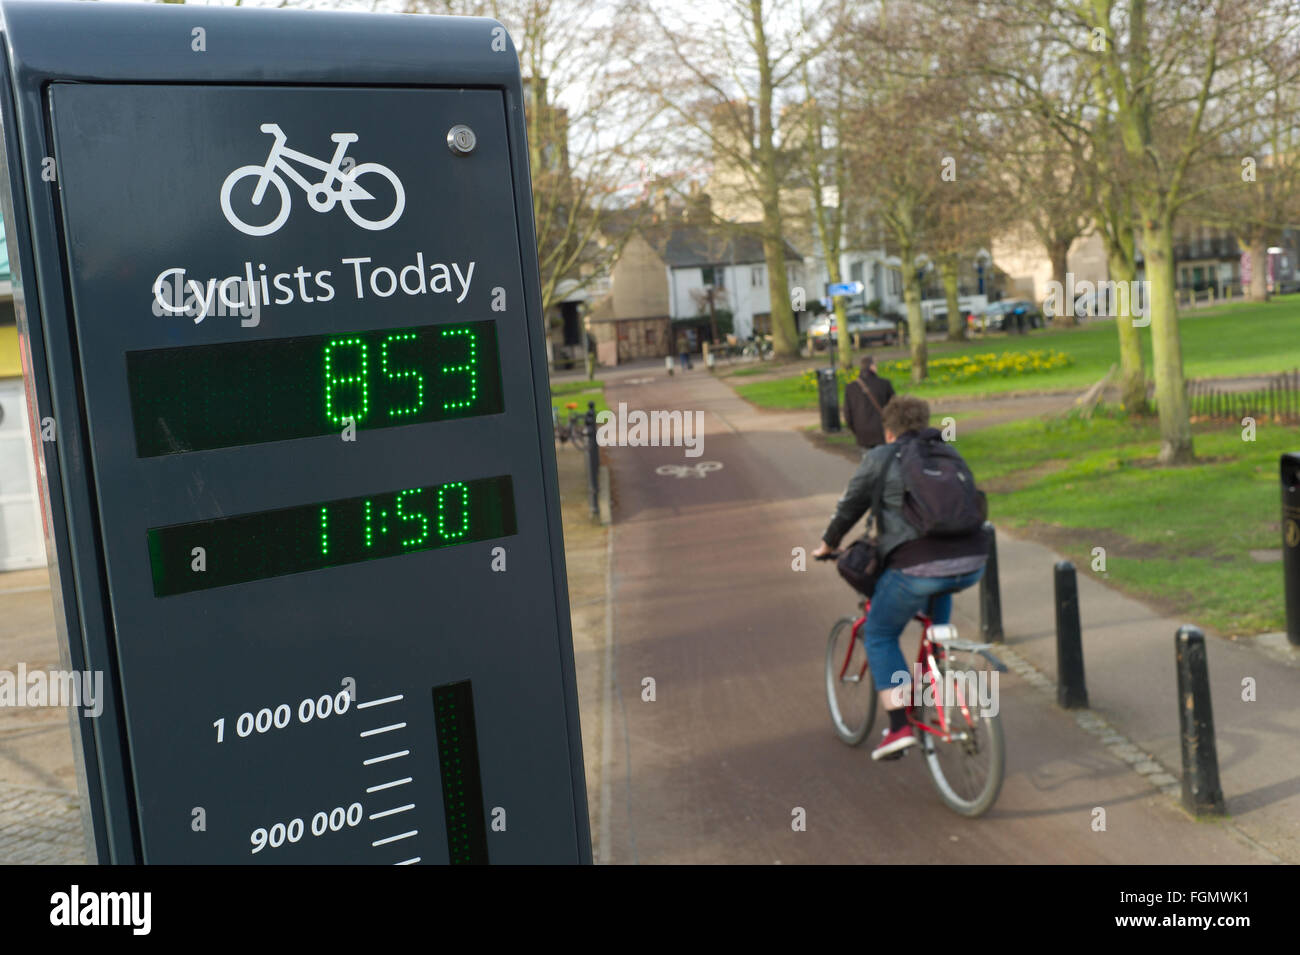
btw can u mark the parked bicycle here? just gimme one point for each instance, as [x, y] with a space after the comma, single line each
[963, 746]
[574, 431]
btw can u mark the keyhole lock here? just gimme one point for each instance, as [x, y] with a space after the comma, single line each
[461, 140]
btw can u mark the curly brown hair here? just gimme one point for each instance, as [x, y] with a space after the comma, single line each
[906, 413]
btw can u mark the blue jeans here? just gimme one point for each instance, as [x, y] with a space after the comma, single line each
[897, 599]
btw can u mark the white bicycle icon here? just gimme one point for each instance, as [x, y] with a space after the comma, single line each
[682, 470]
[322, 195]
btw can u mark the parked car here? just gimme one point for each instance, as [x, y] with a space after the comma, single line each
[871, 328]
[938, 321]
[1000, 316]
[993, 315]
[819, 330]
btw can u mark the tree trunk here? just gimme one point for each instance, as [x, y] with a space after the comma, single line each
[831, 254]
[1258, 248]
[1058, 251]
[956, 321]
[1166, 349]
[785, 334]
[1132, 376]
[915, 323]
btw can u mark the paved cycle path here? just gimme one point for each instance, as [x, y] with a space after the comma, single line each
[736, 746]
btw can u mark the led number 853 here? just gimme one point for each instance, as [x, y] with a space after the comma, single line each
[350, 364]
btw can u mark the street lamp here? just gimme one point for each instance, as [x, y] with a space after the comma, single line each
[1268, 275]
[982, 262]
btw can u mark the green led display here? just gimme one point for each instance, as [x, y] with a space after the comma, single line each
[329, 533]
[462, 785]
[220, 396]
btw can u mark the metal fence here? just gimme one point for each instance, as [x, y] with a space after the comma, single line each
[1278, 400]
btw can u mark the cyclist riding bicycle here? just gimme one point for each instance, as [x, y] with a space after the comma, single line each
[918, 566]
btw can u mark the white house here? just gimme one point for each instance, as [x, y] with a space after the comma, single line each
[729, 261]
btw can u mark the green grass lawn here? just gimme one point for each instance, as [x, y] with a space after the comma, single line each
[847, 439]
[1180, 535]
[1235, 339]
[579, 393]
[757, 368]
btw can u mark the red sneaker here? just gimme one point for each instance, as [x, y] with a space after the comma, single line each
[892, 746]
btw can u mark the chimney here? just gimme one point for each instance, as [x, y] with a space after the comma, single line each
[662, 205]
[699, 208]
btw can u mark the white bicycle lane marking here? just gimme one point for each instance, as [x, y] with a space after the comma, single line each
[700, 470]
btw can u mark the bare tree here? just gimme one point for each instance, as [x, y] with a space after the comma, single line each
[1260, 165]
[1046, 182]
[1169, 82]
[591, 129]
[1172, 79]
[825, 151]
[1063, 167]
[969, 210]
[903, 163]
[727, 87]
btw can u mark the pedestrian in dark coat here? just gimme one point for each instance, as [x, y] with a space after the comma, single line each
[864, 401]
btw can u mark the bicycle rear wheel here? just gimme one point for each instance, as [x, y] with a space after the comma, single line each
[967, 769]
[850, 691]
[578, 431]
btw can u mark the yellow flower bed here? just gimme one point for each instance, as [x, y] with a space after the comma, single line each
[948, 371]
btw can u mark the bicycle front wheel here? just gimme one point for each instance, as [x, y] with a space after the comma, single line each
[393, 193]
[850, 691]
[967, 766]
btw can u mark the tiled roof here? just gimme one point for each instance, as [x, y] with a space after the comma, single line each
[685, 245]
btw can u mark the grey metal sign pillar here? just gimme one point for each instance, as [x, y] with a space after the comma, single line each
[279, 308]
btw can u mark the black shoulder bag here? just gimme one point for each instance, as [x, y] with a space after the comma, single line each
[862, 563]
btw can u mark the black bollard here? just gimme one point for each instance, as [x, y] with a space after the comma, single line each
[991, 593]
[1290, 467]
[828, 399]
[1071, 691]
[593, 459]
[1201, 791]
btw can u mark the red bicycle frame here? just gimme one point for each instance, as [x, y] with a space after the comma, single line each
[929, 674]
